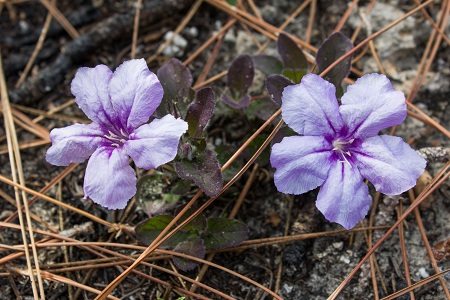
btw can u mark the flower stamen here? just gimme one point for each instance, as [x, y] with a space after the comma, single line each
[116, 138]
[341, 147]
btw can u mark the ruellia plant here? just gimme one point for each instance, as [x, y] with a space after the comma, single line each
[196, 237]
[157, 119]
[231, 149]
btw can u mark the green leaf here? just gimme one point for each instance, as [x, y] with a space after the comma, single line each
[335, 46]
[224, 152]
[176, 80]
[193, 248]
[232, 2]
[295, 75]
[223, 233]
[264, 158]
[197, 224]
[261, 108]
[200, 111]
[148, 230]
[153, 194]
[203, 170]
[268, 64]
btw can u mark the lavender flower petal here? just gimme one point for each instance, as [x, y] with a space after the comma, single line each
[73, 144]
[109, 179]
[371, 104]
[302, 163]
[156, 143]
[135, 92]
[311, 108]
[390, 164]
[344, 198]
[90, 88]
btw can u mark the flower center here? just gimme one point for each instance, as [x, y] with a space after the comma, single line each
[117, 140]
[342, 148]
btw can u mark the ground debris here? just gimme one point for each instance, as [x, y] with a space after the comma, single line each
[77, 50]
[435, 154]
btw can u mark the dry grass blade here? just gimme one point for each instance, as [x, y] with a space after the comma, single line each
[58, 15]
[64, 205]
[427, 61]
[32, 215]
[290, 19]
[26, 123]
[263, 242]
[416, 285]
[61, 279]
[346, 15]
[430, 121]
[25, 145]
[433, 185]
[72, 242]
[46, 188]
[37, 48]
[401, 233]
[206, 44]
[376, 34]
[428, 246]
[136, 28]
[17, 174]
[180, 27]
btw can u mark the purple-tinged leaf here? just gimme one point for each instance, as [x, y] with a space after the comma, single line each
[148, 230]
[193, 248]
[240, 75]
[223, 233]
[152, 194]
[239, 80]
[204, 171]
[291, 54]
[194, 147]
[181, 187]
[176, 80]
[197, 224]
[268, 64]
[236, 104]
[275, 85]
[335, 46]
[200, 111]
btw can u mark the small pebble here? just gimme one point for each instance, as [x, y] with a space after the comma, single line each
[177, 45]
[338, 245]
[345, 259]
[287, 288]
[423, 273]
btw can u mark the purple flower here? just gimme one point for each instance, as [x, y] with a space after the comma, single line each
[340, 146]
[119, 104]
